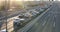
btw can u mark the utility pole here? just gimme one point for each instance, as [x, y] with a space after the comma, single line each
[7, 5]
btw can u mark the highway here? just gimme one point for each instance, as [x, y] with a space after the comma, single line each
[43, 24]
[4, 15]
[49, 22]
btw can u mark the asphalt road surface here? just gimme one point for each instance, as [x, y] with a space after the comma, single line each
[49, 22]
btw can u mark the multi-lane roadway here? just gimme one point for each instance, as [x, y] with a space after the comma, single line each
[49, 22]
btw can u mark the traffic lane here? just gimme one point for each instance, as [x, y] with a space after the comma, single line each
[49, 26]
[56, 12]
[42, 26]
[57, 16]
[41, 15]
[57, 28]
[34, 27]
[38, 27]
[39, 23]
[50, 10]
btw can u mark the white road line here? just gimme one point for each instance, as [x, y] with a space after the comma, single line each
[54, 24]
[44, 23]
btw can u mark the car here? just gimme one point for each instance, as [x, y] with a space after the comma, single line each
[33, 12]
[18, 20]
[36, 11]
[40, 9]
[4, 30]
[20, 16]
[27, 15]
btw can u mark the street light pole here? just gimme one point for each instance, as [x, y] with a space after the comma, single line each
[6, 13]
[7, 2]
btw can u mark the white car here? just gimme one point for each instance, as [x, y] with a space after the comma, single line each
[4, 30]
[33, 12]
[18, 19]
[27, 15]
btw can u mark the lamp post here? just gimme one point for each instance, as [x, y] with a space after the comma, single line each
[7, 2]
